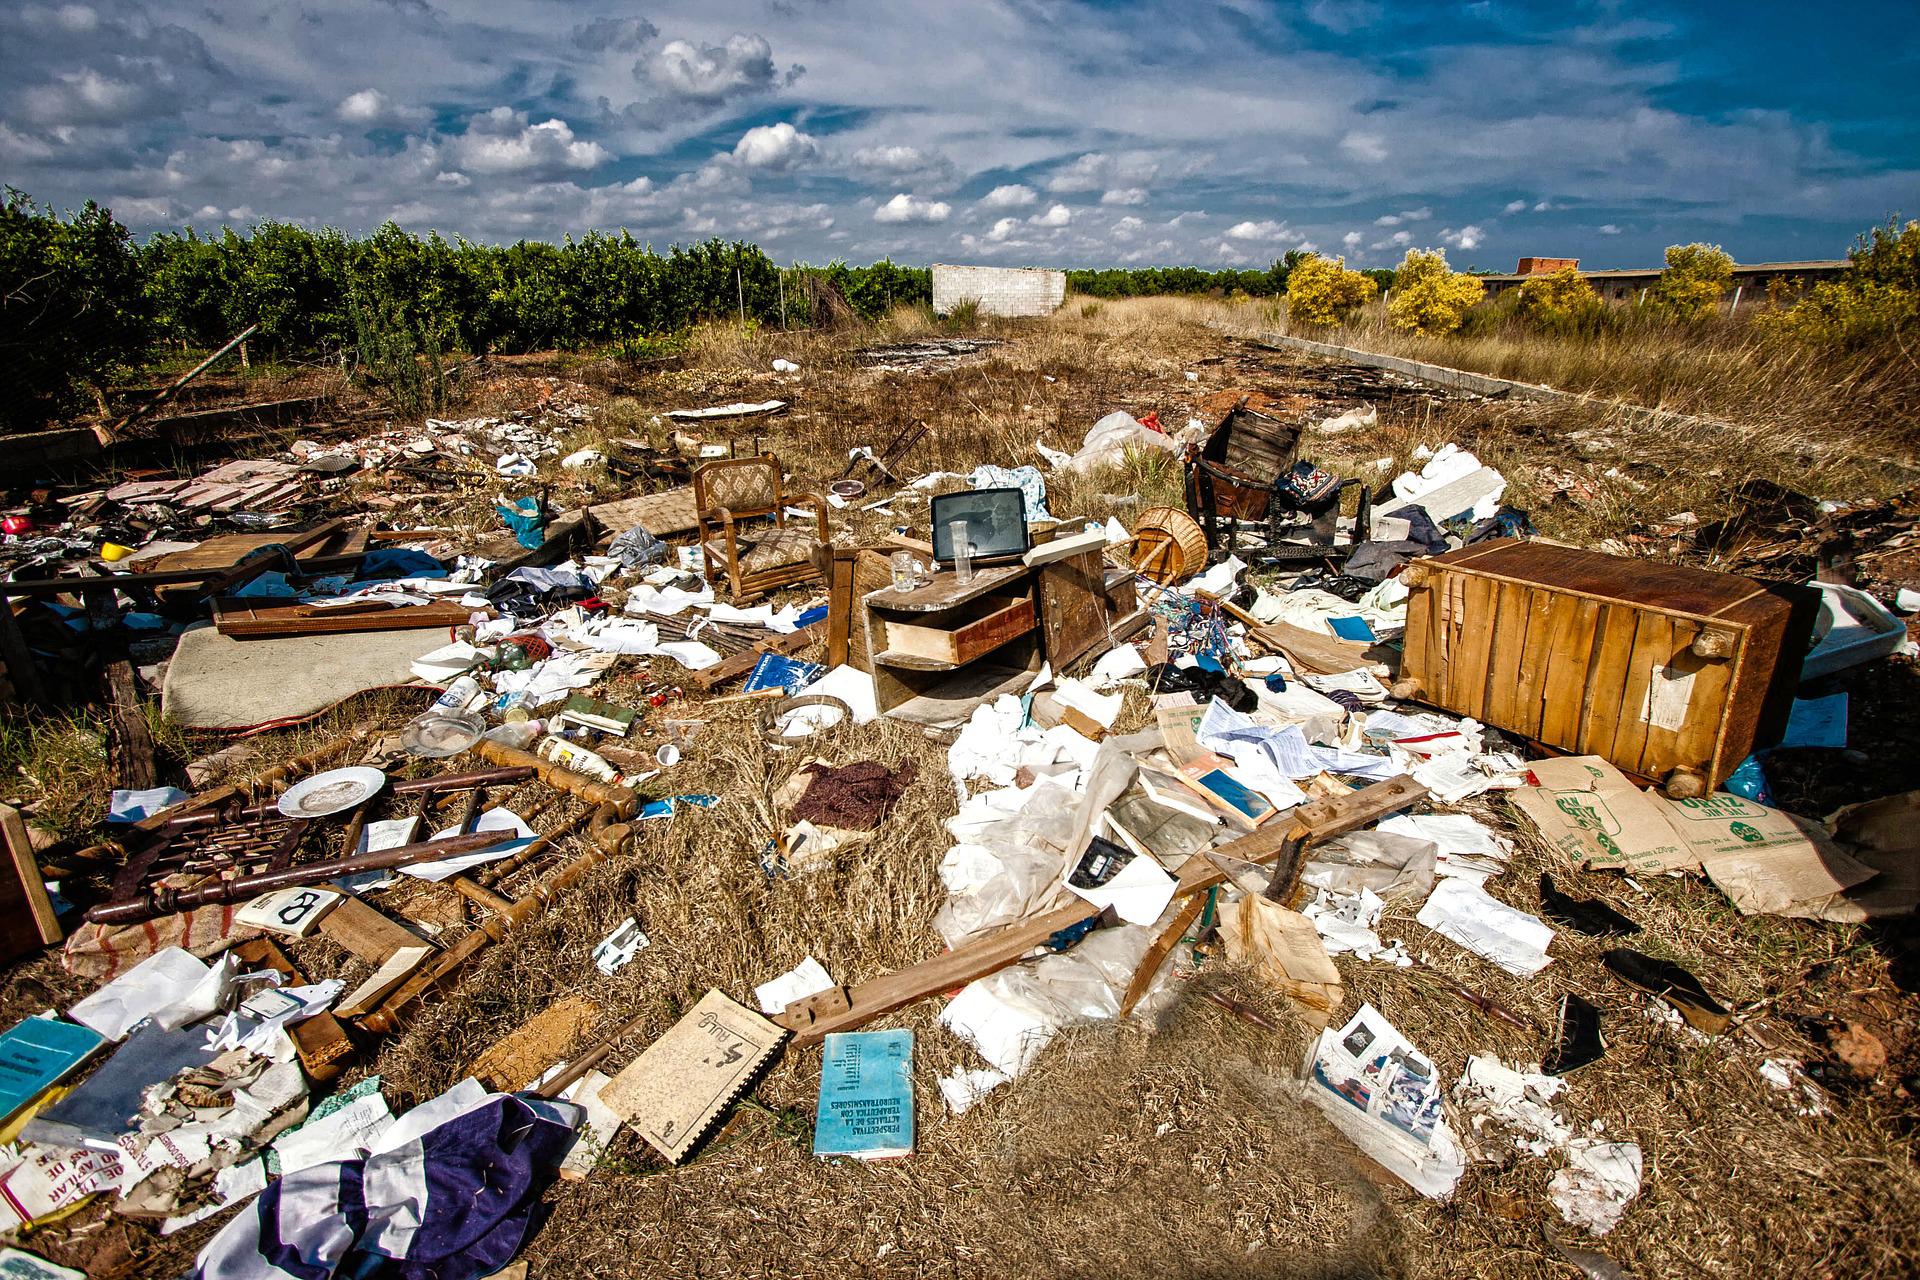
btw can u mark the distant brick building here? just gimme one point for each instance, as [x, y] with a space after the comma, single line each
[1750, 283]
[1000, 291]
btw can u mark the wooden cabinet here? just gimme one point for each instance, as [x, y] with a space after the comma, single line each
[939, 651]
[1672, 673]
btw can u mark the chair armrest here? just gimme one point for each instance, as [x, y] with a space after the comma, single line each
[819, 505]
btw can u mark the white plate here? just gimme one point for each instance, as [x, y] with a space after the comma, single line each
[334, 791]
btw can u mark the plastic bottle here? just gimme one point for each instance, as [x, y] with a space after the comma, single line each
[573, 756]
[519, 734]
[456, 697]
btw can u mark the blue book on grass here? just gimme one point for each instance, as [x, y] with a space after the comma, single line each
[866, 1095]
[37, 1054]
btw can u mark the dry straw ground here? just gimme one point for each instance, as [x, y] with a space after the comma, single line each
[1176, 1150]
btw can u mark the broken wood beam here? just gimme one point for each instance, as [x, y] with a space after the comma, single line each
[845, 1008]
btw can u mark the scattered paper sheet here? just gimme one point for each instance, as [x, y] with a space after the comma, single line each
[1592, 1192]
[1385, 1095]
[807, 978]
[619, 947]
[1462, 910]
[341, 1134]
[962, 1088]
[171, 986]
[1285, 948]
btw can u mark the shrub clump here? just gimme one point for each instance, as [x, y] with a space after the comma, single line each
[1428, 297]
[1322, 292]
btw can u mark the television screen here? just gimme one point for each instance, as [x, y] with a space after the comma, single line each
[996, 523]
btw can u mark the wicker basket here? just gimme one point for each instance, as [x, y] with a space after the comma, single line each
[1168, 545]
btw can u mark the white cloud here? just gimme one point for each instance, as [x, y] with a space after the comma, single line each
[906, 208]
[1515, 206]
[1126, 227]
[1369, 147]
[453, 178]
[892, 159]
[1544, 206]
[363, 107]
[712, 73]
[1096, 170]
[1405, 215]
[1608, 229]
[1268, 230]
[1352, 239]
[1057, 216]
[1003, 228]
[1467, 237]
[1124, 195]
[778, 147]
[1013, 196]
[503, 141]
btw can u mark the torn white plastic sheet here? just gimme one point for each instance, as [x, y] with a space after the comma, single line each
[1101, 708]
[667, 599]
[1108, 440]
[1463, 911]
[171, 986]
[1219, 580]
[1511, 1110]
[515, 835]
[807, 978]
[641, 639]
[1600, 1179]
[1347, 921]
[850, 685]
[1467, 846]
[1115, 665]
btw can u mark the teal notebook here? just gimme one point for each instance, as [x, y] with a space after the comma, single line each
[37, 1053]
[866, 1095]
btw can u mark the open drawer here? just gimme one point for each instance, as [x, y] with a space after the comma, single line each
[954, 637]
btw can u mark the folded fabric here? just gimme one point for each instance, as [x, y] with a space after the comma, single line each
[448, 1193]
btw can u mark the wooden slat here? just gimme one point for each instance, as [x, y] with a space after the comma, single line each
[1467, 683]
[1606, 680]
[1701, 742]
[1652, 646]
[1547, 619]
[1566, 684]
[26, 913]
[1658, 748]
[1512, 614]
[366, 932]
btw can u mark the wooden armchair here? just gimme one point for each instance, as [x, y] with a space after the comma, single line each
[759, 557]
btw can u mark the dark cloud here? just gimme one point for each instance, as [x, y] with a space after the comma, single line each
[614, 35]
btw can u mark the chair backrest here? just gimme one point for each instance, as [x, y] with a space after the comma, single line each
[745, 486]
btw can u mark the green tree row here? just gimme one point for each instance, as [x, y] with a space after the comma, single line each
[81, 302]
[1146, 282]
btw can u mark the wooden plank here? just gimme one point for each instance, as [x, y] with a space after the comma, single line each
[1548, 617]
[738, 664]
[1652, 647]
[27, 921]
[1319, 820]
[367, 932]
[1566, 684]
[250, 618]
[132, 739]
[1607, 680]
[1701, 743]
[1467, 672]
[1659, 751]
[1161, 947]
[1509, 626]
[525, 1053]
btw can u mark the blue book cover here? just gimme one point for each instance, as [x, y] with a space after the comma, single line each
[866, 1095]
[37, 1053]
[1352, 629]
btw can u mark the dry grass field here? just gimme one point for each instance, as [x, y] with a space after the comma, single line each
[1178, 1148]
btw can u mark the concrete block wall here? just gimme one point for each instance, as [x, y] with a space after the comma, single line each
[1000, 291]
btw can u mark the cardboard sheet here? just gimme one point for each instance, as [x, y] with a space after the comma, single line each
[1767, 861]
[1588, 810]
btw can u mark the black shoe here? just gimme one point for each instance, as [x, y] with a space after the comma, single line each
[1577, 1038]
[1583, 915]
[1667, 980]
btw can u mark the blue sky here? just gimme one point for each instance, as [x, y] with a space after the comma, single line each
[1008, 131]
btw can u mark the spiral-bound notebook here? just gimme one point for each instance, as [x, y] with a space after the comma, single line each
[681, 1085]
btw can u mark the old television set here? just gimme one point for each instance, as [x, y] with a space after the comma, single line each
[996, 525]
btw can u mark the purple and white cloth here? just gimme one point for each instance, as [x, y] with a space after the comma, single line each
[446, 1193]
